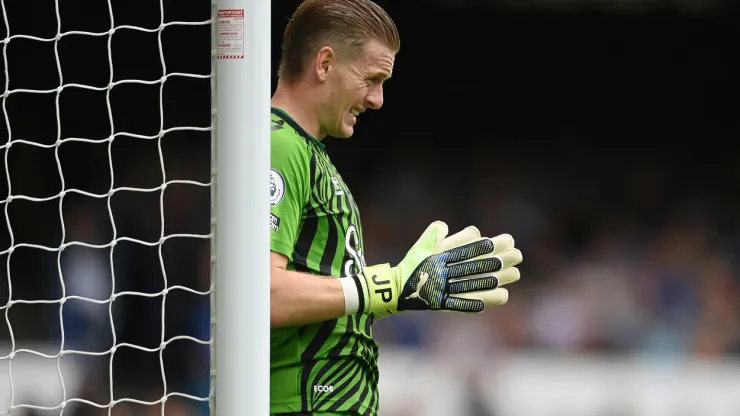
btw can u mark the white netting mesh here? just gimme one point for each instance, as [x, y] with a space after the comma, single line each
[106, 108]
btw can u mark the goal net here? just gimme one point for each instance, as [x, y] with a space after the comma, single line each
[104, 256]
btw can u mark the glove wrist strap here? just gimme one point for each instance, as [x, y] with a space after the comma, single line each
[353, 298]
[381, 292]
[372, 290]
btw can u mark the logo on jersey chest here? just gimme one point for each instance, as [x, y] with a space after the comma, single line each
[338, 190]
[353, 246]
[318, 388]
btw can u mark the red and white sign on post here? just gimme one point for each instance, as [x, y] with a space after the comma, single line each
[230, 33]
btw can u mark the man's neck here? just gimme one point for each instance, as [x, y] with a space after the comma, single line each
[294, 100]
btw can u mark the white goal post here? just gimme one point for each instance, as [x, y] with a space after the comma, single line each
[58, 279]
[242, 301]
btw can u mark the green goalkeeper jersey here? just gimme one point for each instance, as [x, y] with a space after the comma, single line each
[329, 366]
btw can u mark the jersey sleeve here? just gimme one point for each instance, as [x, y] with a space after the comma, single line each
[289, 189]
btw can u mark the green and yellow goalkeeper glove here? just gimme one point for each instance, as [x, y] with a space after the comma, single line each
[462, 273]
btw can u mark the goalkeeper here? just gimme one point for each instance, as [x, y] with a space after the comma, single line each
[336, 56]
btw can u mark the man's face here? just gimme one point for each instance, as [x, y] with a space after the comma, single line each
[355, 85]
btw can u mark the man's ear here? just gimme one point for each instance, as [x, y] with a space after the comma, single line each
[326, 58]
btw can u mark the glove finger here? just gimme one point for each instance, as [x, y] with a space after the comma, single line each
[474, 267]
[485, 265]
[484, 247]
[510, 258]
[475, 284]
[432, 236]
[496, 297]
[469, 251]
[502, 243]
[459, 304]
[467, 235]
[507, 276]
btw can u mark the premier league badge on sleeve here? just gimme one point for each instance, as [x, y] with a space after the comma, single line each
[277, 187]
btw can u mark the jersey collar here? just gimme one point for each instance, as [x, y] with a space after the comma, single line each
[297, 127]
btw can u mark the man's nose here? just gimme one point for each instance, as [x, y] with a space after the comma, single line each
[374, 98]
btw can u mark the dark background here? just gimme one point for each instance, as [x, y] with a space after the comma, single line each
[601, 135]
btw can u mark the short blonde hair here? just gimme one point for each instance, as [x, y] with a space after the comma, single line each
[346, 24]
